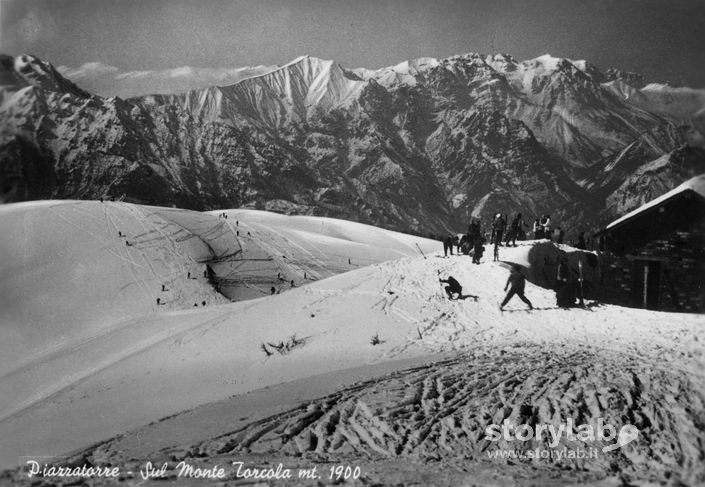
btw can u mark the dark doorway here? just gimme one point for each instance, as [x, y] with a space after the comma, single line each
[647, 283]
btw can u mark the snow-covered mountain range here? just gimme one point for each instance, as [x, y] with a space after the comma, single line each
[418, 146]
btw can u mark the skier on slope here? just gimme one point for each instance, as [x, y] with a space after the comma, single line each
[517, 281]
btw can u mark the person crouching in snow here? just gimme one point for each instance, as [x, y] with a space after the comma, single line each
[453, 287]
[517, 281]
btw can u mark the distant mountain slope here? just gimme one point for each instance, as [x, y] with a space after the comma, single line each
[654, 179]
[419, 146]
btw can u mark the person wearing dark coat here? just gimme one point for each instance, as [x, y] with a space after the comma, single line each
[581, 241]
[448, 245]
[516, 226]
[493, 235]
[517, 281]
[546, 226]
[499, 233]
[479, 249]
[453, 287]
[464, 245]
[474, 230]
[565, 290]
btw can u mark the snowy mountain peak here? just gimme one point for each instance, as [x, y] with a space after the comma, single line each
[416, 66]
[547, 64]
[546, 61]
[299, 59]
[404, 73]
[27, 70]
[504, 57]
[284, 95]
[501, 62]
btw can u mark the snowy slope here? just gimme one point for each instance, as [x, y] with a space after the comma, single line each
[76, 298]
[107, 384]
[67, 273]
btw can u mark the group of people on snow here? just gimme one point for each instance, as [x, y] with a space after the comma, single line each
[568, 288]
[506, 232]
[515, 286]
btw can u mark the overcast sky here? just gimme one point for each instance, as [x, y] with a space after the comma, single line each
[106, 44]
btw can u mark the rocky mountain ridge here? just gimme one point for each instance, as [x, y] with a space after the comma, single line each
[420, 146]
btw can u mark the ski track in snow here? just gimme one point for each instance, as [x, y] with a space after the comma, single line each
[439, 412]
[544, 366]
[532, 368]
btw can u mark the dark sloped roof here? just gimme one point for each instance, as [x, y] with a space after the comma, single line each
[696, 184]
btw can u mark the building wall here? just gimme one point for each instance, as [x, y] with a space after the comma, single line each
[682, 257]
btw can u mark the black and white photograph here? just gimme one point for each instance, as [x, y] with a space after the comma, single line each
[352, 242]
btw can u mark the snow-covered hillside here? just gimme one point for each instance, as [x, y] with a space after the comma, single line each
[93, 379]
[80, 276]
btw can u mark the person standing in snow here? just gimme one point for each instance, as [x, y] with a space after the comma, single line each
[581, 241]
[538, 230]
[453, 287]
[517, 281]
[546, 226]
[501, 226]
[494, 229]
[479, 249]
[474, 230]
[517, 225]
[497, 230]
[565, 295]
[464, 245]
[447, 245]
